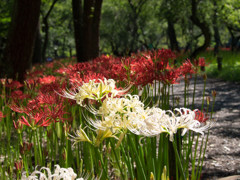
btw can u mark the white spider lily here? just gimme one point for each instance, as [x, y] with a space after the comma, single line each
[116, 113]
[147, 122]
[80, 136]
[59, 173]
[94, 90]
[183, 118]
[153, 121]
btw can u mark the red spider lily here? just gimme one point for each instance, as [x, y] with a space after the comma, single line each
[30, 83]
[82, 67]
[51, 88]
[50, 64]
[14, 84]
[48, 98]
[17, 125]
[55, 113]
[170, 76]
[36, 119]
[118, 73]
[34, 74]
[89, 75]
[1, 115]
[18, 94]
[77, 79]
[47, 80]
[187, 68]
[200, 116]
[162, 55]
[65, 70]
[142, 71]
[3, 81]
[200, 62]
[225, 49]
[16, 108]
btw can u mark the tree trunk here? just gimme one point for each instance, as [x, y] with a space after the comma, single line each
[37, 53]
[234, 40]
[45, 40]
[77, 23]
[204, 28]
[86, 28]
[172, 36]
[95, 28]
[21, 38]
[46, 30]
[216, 31]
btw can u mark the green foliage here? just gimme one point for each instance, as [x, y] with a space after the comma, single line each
[61, 35]
[231, 65]
[5, 16]
[127, 27]
[230, 13]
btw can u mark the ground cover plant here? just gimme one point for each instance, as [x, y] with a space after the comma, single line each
[110, 118]
[230, 65]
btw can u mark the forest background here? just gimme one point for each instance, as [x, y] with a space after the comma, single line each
[34, 32]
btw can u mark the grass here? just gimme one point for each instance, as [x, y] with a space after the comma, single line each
[230, 65]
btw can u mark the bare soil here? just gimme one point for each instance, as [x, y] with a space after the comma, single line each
[222, 156]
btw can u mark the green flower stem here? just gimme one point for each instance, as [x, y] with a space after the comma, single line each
[127, 159]
[153, 154]
[78, 156]
[55, 142]
[178, 160]
[159, 94]
[173, 100]
[205, 146]
[117, 159]
[102, 163]
[35, 149]
[185, 92]
[194, 90]
[168, 97]
[25, 164]
[39, 148]
[162, 159]
[188, 151]
[203, 96]
[194, 159]
[140, 168]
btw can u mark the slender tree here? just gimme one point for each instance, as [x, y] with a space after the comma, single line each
[204, 28]
[217, 38]
[37, 53]
[86, 18]
[21, 38]
[46, 29]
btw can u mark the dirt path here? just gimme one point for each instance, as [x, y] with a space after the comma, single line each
[223, 152]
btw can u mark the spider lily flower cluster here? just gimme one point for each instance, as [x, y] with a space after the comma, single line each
[45, 115]
[59, 173]
[119, 114]
[94, 90]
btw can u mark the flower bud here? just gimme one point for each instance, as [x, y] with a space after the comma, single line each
[208, 100]
[214, 93]
[18, 165]
[204, 76]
